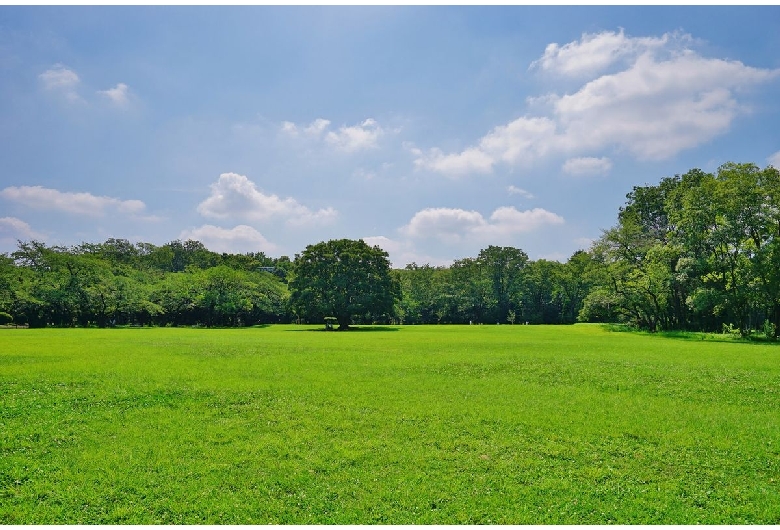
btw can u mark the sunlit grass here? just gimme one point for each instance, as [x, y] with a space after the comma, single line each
[471, 424]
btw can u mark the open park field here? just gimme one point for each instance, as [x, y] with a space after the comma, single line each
[404, 424]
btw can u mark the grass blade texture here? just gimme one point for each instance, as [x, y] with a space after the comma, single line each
[406, 424]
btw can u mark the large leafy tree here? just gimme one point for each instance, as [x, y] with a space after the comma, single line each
[503, 266]
[343, 278]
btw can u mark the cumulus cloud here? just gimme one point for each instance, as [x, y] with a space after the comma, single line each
[454, 225]
[81, 203]
[514, 190]
[521, 141]
[587, 166]
[62, 80]
[663, 97]
[234, 195]
[119, 95]
[12, 229]
[774, 160]
[348, 139]
[655, 109]
[593, 53]
[239, 239]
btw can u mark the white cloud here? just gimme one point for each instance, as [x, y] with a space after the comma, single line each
[663, 98]
[317, 127]
[593, 53]
[508, 220]
[521, 141]
[235, 195]
[454, 225]
[587, 166]
[356, 137]
[119, 95]
[239, 239]
[63, 80]
[468, 162]
[59, 77]
[82, 203]
[383, 242]
[314, 129]
[514, 190]
[774, 160]
[347, 139]
[655, 109]
[12, 229]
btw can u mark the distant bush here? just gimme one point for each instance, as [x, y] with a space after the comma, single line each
[5, 318]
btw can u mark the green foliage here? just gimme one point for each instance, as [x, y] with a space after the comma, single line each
[697, 251]
[345, 279]
[5, 318]
[404, 425]
[116, 283]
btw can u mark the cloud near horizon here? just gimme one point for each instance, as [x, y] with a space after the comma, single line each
[13, 229]
[239, 239]
[663, 97]
[454, 225]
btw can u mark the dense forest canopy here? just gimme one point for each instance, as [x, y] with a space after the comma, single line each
[698, 251]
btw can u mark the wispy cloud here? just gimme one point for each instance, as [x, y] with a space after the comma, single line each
[81, 203]
[235, 196]
[12, 229]
[62, 80]
[774, 160]
[587, 166]
[119, 95]
[514, 190]
[356, 137]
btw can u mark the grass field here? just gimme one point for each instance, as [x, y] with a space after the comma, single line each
[471, 424]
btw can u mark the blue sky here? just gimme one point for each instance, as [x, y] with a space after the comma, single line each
[430, 131]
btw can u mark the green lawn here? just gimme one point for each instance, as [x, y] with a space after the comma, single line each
[428, 424]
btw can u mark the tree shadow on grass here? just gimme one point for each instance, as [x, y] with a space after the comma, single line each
[697, 336]
[351, 329]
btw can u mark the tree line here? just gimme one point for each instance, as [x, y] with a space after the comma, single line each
[118, 283]
[698, 251]
[183, 283]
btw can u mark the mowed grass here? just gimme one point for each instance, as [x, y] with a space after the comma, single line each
[429, 424]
